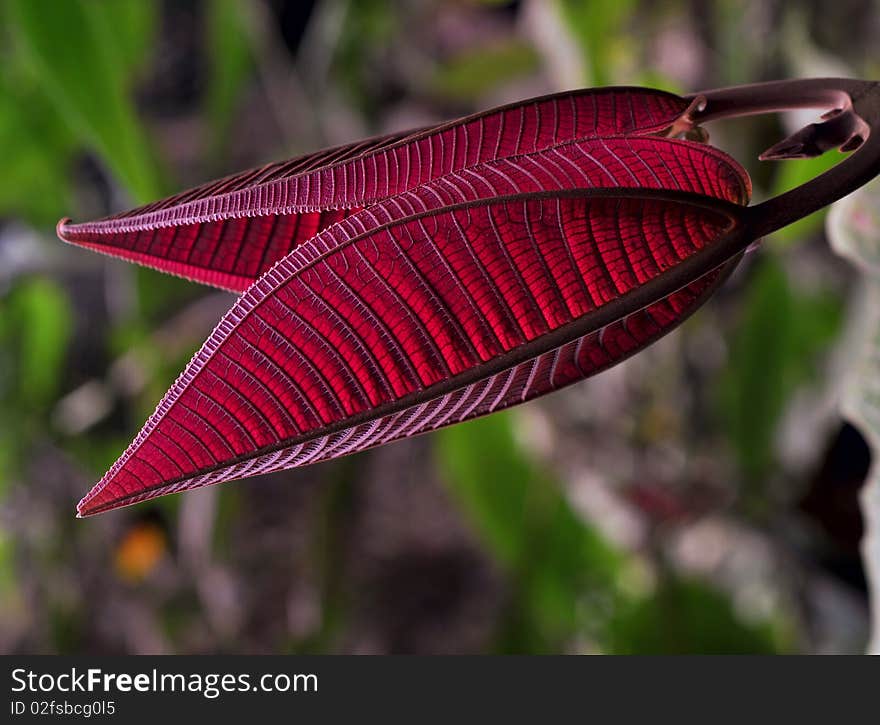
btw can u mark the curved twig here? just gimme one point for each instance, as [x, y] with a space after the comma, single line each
[852, 122]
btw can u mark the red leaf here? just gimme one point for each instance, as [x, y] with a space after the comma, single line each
[468, 294]
[228, 232]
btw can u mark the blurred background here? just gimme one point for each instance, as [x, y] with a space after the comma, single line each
[701, 497]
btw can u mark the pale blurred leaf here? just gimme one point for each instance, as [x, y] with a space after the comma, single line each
[854, 232]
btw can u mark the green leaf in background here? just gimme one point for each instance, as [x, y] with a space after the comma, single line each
[458, 78]
[795, 172]
[36, 151]
[367, 27]
[7, 563]
[737, 51]
[230, 58]
[132, 25]
[559, 566]
[772, 352]
[568, 583]
[78, 51]
[41, 313]
[496, 503]
[596, 26]
[35, 331]
[686, 616]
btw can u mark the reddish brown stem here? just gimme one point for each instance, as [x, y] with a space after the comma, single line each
[852, 121]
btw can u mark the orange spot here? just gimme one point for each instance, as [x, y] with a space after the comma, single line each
[139, 552]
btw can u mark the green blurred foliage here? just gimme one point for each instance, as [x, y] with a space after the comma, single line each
[367, 28]
[774, 350]
[36, 149]
[792, 173]
[36, 325]
[569, 584]
[231, 62]
[686, 616]
[560, 568]
[598, 29]
[82, 55]
[44, 325]
[499, 63]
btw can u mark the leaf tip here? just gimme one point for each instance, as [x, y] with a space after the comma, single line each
[62, 227]
[85, 507]
[786, 149]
